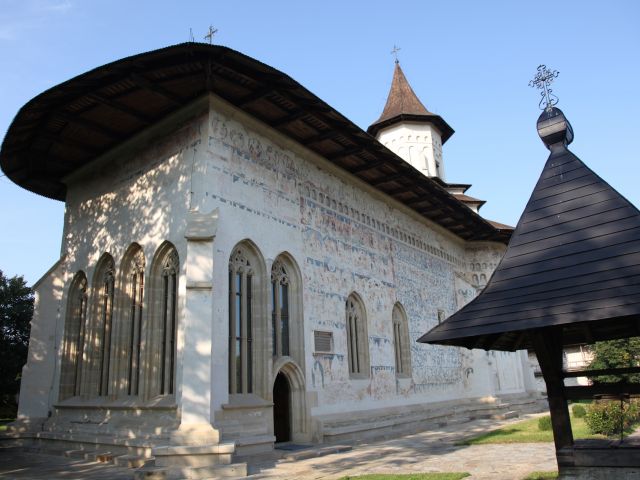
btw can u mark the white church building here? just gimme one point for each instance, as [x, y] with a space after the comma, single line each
[241, 265]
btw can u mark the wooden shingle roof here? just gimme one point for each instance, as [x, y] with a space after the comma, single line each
[403, 105]
[68, 126]
[573, 262]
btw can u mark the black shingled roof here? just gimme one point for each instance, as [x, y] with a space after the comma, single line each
[573, 262]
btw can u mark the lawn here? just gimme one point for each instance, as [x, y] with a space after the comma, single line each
[527, 431]
[542, 476]
[409, 476]
[3, 423]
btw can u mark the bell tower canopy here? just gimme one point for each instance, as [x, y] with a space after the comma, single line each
[403, 105]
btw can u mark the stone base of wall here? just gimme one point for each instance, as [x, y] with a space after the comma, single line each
[396, 421]
[249, 424]
[131, 436]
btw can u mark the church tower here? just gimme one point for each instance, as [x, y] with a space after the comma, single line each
[411, 131]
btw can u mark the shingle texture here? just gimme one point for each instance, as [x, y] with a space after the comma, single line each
[573, 261]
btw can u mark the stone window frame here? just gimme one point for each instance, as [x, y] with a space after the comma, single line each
[261, 359]
[401, 343]
[357, 337]
[161, 327]
[129, 328]
[75, 328]
[285, 264]
[280, 309]
[96, 369]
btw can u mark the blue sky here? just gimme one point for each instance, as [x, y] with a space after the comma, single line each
[468, 61]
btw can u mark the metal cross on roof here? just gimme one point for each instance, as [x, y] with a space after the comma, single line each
[542, 81]
[212, 32]
[395, 51]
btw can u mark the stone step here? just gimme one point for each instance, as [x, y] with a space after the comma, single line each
[150, 473]
[74, 453]
[93, 456]
[315, 452]
[191, 473]
[104, 457]
[506, 415]
[131, 461]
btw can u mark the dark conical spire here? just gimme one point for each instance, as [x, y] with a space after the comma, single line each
[402, 100]
[573, 261]
[403, 104]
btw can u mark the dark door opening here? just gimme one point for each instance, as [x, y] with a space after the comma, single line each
[282, 408]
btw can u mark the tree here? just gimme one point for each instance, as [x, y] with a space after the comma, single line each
[16, 309]
[616, 354]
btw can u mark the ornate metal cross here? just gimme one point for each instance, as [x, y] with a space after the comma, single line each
[542, 81]
[212, 32]
[395, 51]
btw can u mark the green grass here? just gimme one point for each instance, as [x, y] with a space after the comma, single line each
[527, 432]
[3, 423]
[541, 476]
[409, 476]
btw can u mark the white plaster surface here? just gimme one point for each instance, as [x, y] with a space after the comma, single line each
[343, 236]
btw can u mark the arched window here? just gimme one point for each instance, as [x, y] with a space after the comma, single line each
[74, 333]
[357, 338]
[280, 282]
[104, 282]
[133, 288]
[241, 279]
[401, 341]
[163, 321]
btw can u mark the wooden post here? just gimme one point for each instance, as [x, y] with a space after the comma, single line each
[548, 346]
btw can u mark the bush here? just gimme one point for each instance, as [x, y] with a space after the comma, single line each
[544, 423]
[606, 417]
[578, 411]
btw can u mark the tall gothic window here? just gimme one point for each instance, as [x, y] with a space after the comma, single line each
[169, 312]
[74, 334]
[401, 341]
[241, 278]
[161, 329]
[280, 310]
[134, 290]
[357, 339]
[105, 282]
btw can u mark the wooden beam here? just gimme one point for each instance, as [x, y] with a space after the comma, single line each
[321, 136]
[344, 153]
[600, 372]
[115, 105]
[388, 178]
[368, 166]
[252, 97]
[90, 125]
[418, 201]
[146, 84]
[586, 392]
[588, 334]
[547, 343]
[294, 115]
[71, 142]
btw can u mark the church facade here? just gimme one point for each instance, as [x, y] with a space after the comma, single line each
[223, 283]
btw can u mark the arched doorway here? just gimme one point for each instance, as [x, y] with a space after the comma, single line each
[282, 408]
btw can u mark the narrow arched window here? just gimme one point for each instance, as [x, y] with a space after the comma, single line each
[241, 278]
[169, 313]
[74, 335]
[134, 292]
[105, 282]
[158, 334]
[401, 341]
[280, 309]
[357, 338]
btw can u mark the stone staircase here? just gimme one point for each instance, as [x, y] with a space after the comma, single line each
[145, 460]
